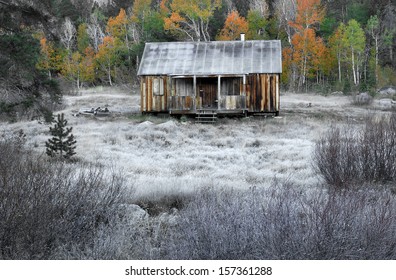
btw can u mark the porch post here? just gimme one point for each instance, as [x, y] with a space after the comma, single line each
[218, 91]
[244, 91]
[195, 93]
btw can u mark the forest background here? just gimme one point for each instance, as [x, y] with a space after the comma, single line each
[52, 46]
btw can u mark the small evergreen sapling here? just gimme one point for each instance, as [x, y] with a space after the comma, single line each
[62, 143]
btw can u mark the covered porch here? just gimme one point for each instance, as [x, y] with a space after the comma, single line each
[220, 93]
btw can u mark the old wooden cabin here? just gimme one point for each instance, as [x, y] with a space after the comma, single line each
[226, 77]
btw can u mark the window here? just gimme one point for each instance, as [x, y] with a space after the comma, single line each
[158, 86]
[231, 86]
[184, 87]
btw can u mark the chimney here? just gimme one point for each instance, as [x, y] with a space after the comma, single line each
[242, 36]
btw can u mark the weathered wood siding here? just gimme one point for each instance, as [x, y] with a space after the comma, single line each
[262, 93]
[165, 94]
[181, 103]
[154, 93]
[233, 102]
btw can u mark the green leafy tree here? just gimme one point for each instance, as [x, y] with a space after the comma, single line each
[355, 39]
[388, 30]
[147, 23]
[82, 37]
[338, 47]
[373, 29]
[257, 25]
[62, 144]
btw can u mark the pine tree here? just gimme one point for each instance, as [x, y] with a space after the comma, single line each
[62, 143]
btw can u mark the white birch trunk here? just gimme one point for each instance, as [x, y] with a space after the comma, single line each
[353, 67]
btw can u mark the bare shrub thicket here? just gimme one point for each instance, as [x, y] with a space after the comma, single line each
[284, 222]
[281, 222]
[350, 156]
[46, 207]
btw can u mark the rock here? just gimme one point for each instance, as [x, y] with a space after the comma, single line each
[363, 98]
[170, 219]
[132, 213]
[389, 90]
[145, 125]
[168, 126]
[385, 103]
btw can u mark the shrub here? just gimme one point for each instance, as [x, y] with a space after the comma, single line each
[350, 156]
[284, 222]
[46, 206]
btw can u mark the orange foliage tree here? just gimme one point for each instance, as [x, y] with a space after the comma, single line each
[307, 49]
[234, 25]
[88, 65]
[51, 58]
[117, 27]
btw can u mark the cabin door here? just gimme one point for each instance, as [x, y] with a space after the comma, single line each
[207, 91]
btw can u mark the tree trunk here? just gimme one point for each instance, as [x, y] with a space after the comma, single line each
[357, 72]
[109, 74]
[353, 67]
[339, 67]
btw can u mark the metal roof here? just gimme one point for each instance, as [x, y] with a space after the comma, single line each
[211, 58]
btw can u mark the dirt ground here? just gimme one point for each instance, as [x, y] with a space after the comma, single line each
[162, 155]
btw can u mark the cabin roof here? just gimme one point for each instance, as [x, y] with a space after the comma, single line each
[211, 58]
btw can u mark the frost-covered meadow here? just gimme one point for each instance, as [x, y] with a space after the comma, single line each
[156, 187]
[163, 155]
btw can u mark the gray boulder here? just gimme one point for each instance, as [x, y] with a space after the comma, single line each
[387, 91]
[363, 98]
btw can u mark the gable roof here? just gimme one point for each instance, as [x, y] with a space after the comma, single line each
[211, 58]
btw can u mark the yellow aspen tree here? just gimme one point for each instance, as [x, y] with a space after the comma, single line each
[51, 59]
[117, 27]
[106, 56]
[189, 18]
